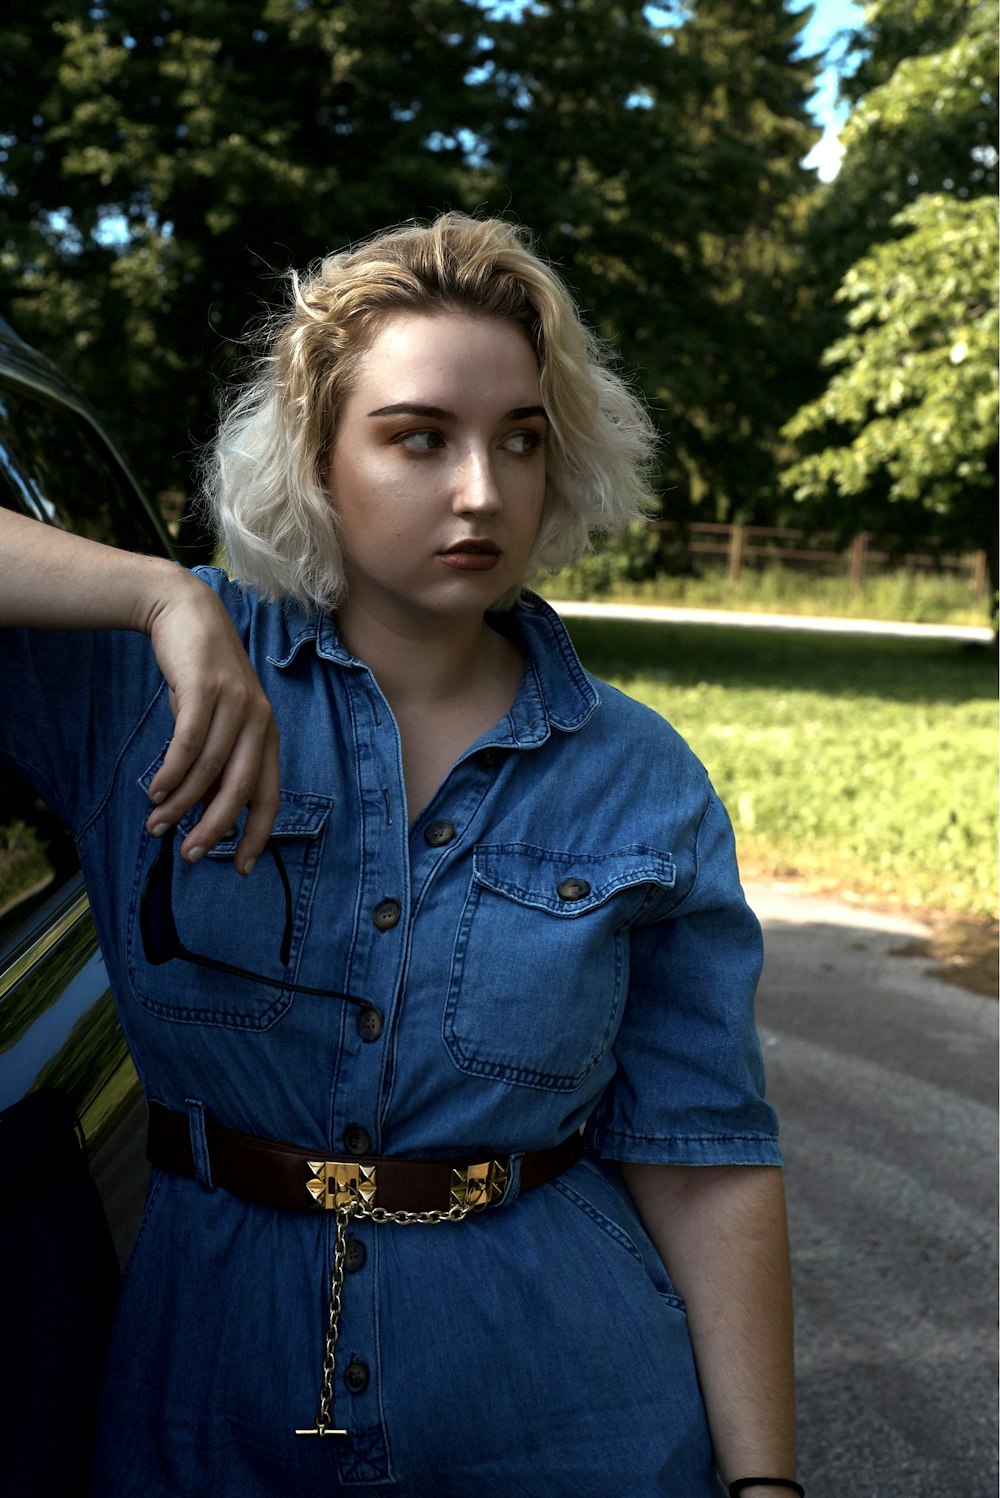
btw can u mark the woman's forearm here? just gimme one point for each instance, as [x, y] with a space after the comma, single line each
[224, 750]
[722, 1234]
[51, 579]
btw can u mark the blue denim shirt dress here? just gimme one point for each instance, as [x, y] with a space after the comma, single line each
[538, 1348]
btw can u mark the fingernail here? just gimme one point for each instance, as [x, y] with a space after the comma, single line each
[248, 867]
[194, 855]
[159, 798]
[160, 829]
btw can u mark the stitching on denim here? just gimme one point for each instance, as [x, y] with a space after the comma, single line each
[126, 745]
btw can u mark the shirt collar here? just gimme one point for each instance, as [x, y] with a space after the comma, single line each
[557, 691]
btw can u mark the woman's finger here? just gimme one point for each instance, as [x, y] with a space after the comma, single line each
[226, 776]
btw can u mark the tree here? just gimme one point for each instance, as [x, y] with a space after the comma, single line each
[914, 396]
[904, 435]
[164, 164]
[662, 167]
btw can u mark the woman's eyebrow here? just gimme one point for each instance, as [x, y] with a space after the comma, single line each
[438, 413]
[411, 408]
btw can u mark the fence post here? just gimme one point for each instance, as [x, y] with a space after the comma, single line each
[980, 576]
[737, 546]
[856, 554]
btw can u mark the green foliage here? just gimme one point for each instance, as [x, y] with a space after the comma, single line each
[865, 764]
[904, 434]
[914, 396]
[925, 120]
[163, 165]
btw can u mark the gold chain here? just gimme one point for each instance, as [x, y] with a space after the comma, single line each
[344, 1216]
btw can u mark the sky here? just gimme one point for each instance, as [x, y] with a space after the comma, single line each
[830, 16]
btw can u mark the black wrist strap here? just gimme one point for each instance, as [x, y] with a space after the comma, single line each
[765, 1482]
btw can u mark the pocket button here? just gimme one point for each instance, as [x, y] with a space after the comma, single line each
[573, 889]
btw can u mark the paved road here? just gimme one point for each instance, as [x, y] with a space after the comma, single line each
[885, 1080]
[655, 613]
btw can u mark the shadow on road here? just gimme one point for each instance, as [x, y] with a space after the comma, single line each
[885, 1080]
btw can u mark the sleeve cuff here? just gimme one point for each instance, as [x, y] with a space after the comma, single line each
[685, 1149]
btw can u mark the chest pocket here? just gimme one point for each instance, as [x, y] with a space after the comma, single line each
[242, 922]
[540, 966]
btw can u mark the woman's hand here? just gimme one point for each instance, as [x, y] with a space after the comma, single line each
[224, 751]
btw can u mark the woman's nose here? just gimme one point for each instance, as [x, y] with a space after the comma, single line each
[476, 487]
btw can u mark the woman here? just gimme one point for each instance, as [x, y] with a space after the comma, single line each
[498, 906]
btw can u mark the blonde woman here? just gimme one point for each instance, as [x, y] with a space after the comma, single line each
[463, 1179]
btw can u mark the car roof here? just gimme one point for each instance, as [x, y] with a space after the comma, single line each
[26, 363]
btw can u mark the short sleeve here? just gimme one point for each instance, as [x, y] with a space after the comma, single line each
[68, 702]
[689, 1084]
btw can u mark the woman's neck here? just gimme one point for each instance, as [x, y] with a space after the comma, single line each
[447, 684]
[435, 661]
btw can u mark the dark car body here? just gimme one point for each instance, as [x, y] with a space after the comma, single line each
[58, 1026]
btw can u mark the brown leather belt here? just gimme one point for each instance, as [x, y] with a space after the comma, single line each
[295, 1179]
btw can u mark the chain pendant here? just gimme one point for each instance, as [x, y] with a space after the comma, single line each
[471, 1192]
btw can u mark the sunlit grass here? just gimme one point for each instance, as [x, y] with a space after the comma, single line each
[910, 597]
[858, 763]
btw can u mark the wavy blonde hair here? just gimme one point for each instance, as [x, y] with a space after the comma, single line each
[263, 478]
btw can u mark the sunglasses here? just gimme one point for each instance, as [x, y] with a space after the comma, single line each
[162, 943]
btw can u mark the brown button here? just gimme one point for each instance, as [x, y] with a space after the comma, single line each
[573, 889]
[437, 834]
[356, 1376]
[357, 1140]
[487, 758]
[355, 1255]
[370, 1025]
[386, 914]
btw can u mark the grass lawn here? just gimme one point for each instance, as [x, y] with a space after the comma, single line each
[899, 595]
[861, 764]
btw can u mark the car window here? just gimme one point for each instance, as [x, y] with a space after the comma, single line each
[55, 467]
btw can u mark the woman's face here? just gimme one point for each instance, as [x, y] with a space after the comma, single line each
[438, 473]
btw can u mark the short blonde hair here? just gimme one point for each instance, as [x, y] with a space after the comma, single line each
[263, 478]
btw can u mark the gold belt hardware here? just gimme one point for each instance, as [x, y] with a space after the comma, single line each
[349, 1188]
[341, 1183]
[336, 1184]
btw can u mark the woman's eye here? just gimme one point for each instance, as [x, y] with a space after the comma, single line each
[421, 442]
[524, 443]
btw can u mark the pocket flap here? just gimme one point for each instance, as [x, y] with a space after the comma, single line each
[299, 815]
[568, 884]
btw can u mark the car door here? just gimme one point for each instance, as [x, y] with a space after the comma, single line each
[57, 1018]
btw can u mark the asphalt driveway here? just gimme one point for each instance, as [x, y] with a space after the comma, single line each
[885, 1080]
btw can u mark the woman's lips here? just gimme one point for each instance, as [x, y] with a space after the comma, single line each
[471, 556]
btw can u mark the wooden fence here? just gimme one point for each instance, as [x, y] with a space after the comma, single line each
[745, 546]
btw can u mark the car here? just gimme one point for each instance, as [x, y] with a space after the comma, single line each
[58, 1027]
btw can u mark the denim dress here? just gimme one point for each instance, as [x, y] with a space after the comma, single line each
[539, 1347]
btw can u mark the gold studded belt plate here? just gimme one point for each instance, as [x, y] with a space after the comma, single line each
[296, 1179]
